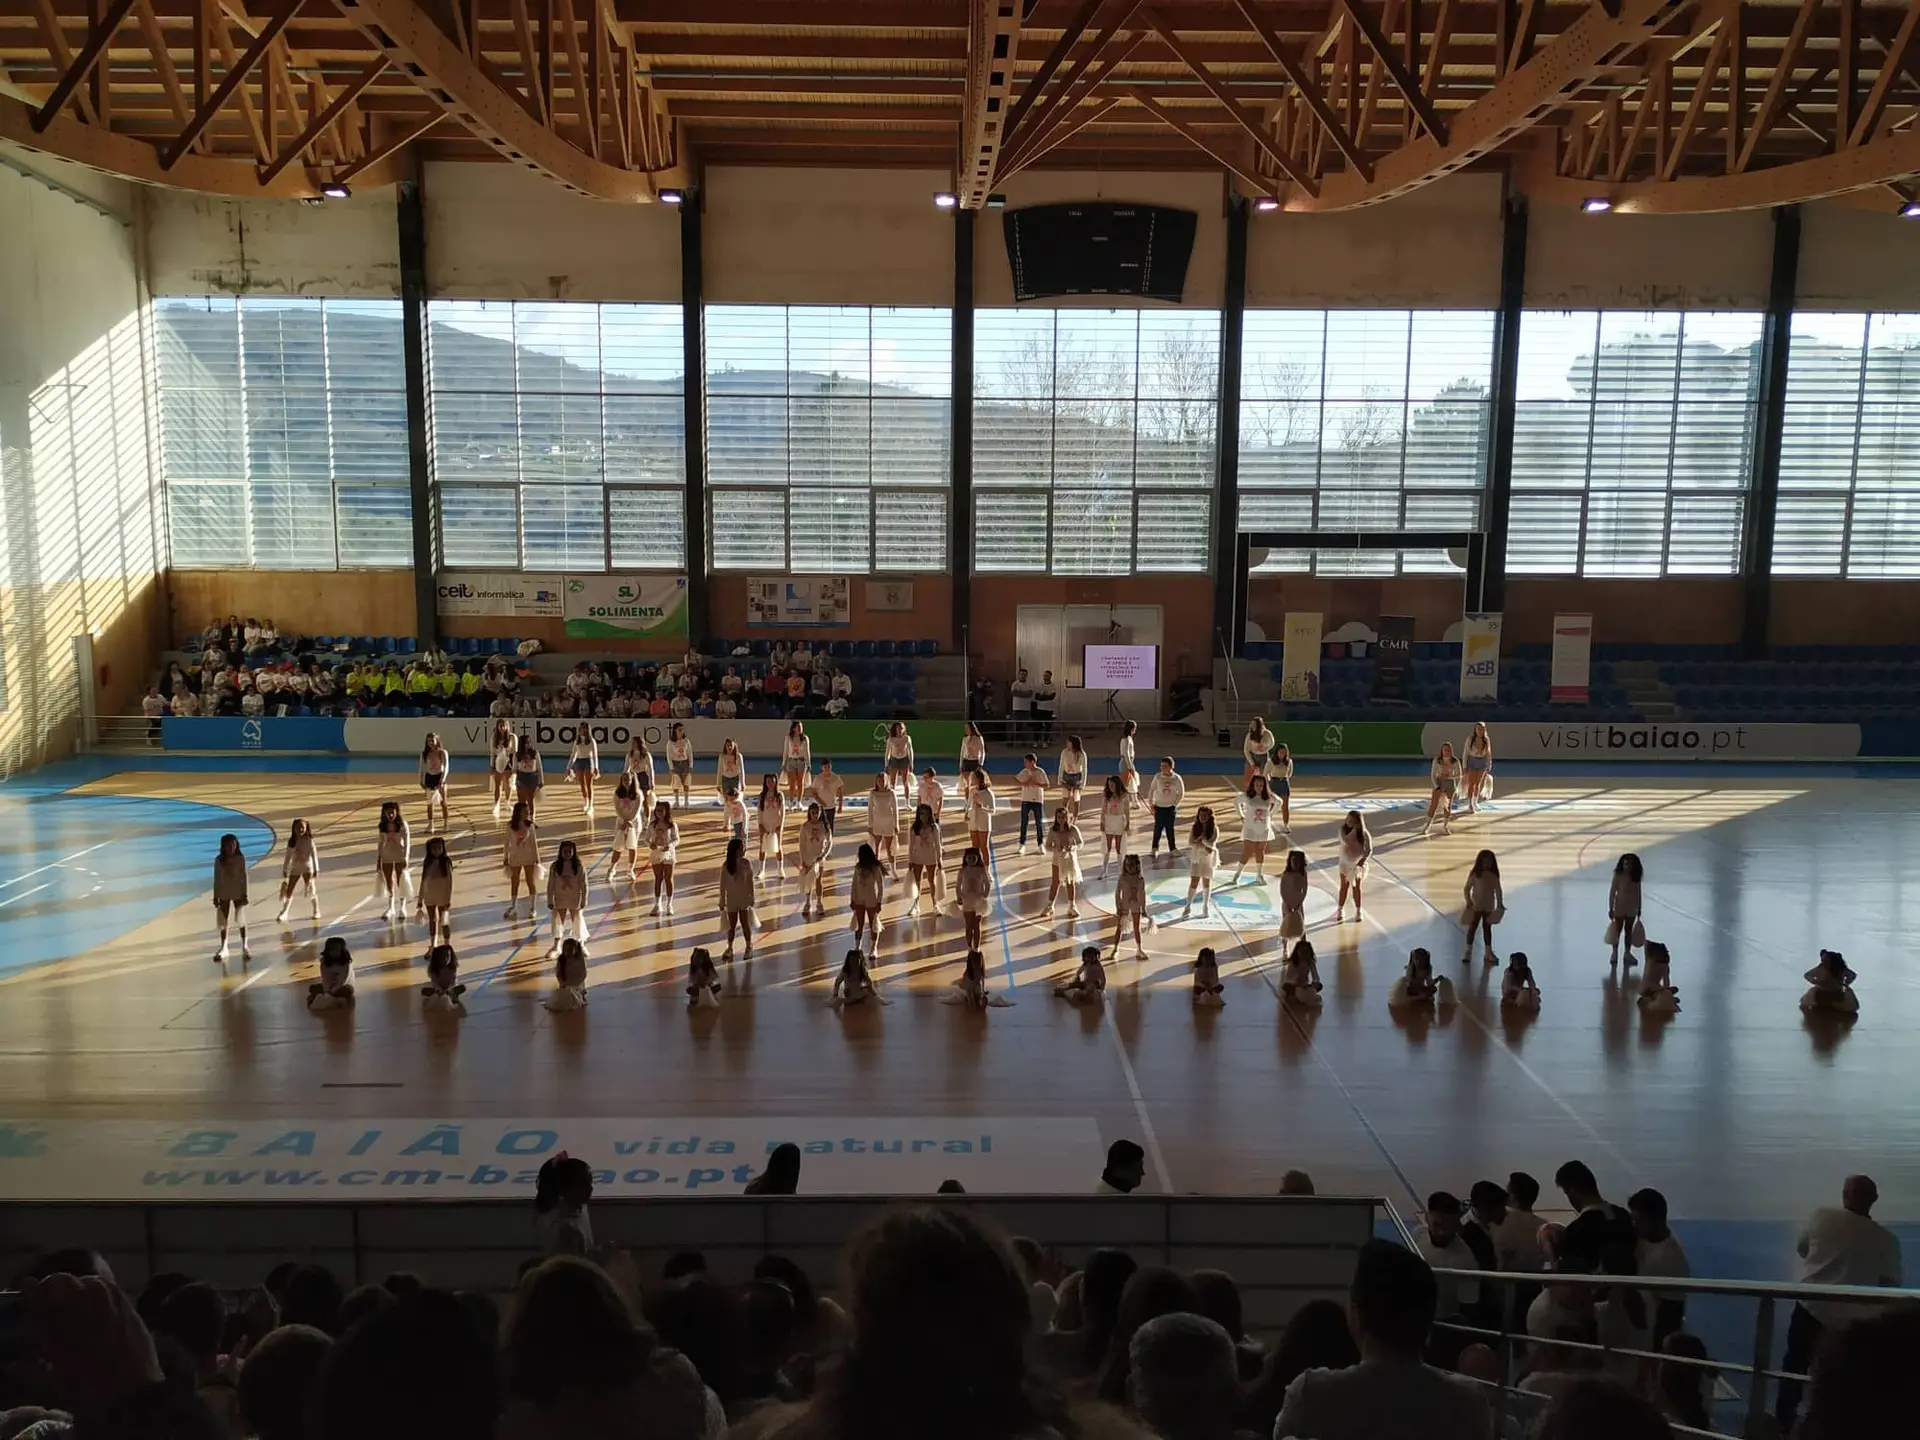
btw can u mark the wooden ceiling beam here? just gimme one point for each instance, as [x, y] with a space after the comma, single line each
[236, 76]
[1206, 146]
[1110, 53]
[1289, 167]
[1309, 88]
[1769, 111]
[317, 126]
[1890, 67]
[100, 35]
[993, 50]
[1398, 71]
[1062, 47]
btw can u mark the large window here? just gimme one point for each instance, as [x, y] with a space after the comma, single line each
[558, 435]
[1850, 449]
[1363, 420]
[283, 428]
[1633, 435]
[828, 433]
[1093, 440]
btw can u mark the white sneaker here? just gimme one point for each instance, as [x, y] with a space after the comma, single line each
[220, 955]
[246, 955]
[281, 918]
[669, 905]
[512, 910]
[656, 908]
[580, 930]
[1186, 911]
[1073, 912]
[316, 909]
[1025, 849]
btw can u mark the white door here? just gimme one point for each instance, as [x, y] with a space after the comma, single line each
[1055, 637]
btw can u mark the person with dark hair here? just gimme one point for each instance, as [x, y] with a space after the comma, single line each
[418, 1370]
[768, 1313]
[1152, 1291]
[1077, 1350]
[1392, 1394]
[1864, 1378]
[1595, 1408]
[278, 1382]
[951, 1187]
[820, 1326]
[1216, 1295]
[1683, 1391]
[782, 1174]
[154, 1293]
[1657, 1251]
[1841, 1245]
[362, 1302]
[1598, 1223]
[312, 1297]
[1316, 1338]
[683, 1265]
[1182, 1379]
[1446, 1244]
[561, 1191]
[194, 1317]
[705, 1322]
[574, 1354]
[1126, 1168]
[1516, 1240]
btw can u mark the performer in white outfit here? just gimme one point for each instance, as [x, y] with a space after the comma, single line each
[1089, 982]
[529, 776]
[1830, 988]
[970, 989]
[770, 817]
[663, 851]
[854, 983]
[503, 747]
[865, 895]
[436, 891]
[973, 888]
[924, 841]
[1129, 903]
[1445, 774]
[441, 994]
[899, 757]
[1479, 767]
[434, 766]
[1073, 773]
[1207, 989]
[981, 803]
[230, 895]
[1486, 904]
[883, 819]
[520, 854]
[1300, 976]
[1518, 989]
[729, 769]
[393, 850]
[1256, 809]
[639, 764]
[680, 761]
[703, 981]
[300, 867]
[1658, 995]
[1063, 848]
[1129, 771]
[1258, 748]
[583, 761]
[1280, 784]
[567, 896]
[1293, 896]
[816, 843]
[334, 989]
[1356, 858]
[1623, 908]
[1203, 859]
[569, 978]
[796, 761]
[1114, 815]
[626, 827]
[973, 752]
[1417, 988]
[737, 896]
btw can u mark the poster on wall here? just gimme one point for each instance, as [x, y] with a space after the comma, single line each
[1300, 657]
[889, 595]
[1572, 654]
[1393, 659]
[817, 600]
[1480, 657]
[627, 607]
[474, 592]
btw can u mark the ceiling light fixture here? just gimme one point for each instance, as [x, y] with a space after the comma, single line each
[946, 200]
[1266, 202]
[996, 201]
[334, 190]
[672, 197]
[1596, 205]
[1910, 210]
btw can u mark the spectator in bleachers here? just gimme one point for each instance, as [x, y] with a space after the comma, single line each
[781, 1175]
[420, 1370]
[1392, 1393]
[1216, 1295]
[279, 1382]
[1597, 1222]
[1517, 1240]
[1864, 1378]
[1684, 1392]
[1595, 1408]
[1182, 1381]
[1444, 1243]
[1841, 1245]
[1657, 1251]
[1316, 1338]
[1151, 1291]
[194, 1317]
[311, 1296]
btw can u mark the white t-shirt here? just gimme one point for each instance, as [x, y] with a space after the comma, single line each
[1838, 1247]
[1256, 818]
[1166, 791]
[829, 789]
[1454, 1294]
[980, 807]
[1383, 1400]
[1072, 762]
[1020, 693]
[1033, 786]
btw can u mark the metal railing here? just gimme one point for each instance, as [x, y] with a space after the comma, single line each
[1750, 1383]
[1233, 683]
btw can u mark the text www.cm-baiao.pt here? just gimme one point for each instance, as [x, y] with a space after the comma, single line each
[480, 1175]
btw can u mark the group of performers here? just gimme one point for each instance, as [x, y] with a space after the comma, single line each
[646, 821]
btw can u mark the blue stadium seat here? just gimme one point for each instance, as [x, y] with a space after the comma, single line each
[927, 649]
[906, 670]
[863, 649]
[887, 649]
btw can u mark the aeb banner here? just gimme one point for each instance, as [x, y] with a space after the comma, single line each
[1393, 659]
[623, 607]
[1480, 657]
[1572, 657]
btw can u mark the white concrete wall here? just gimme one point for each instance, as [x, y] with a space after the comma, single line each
[1854, 259]
[210, 245]
[1648, 262]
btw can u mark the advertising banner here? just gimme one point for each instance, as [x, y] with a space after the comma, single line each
[627, 607]
[1300, 657]
[1480, 657]
[1600, 741]
[1359, 738]
[1393, 659]
[469, 734]
[815, 600]
[247, 732]
[1572, 654]
[889, 595]
[475, 592]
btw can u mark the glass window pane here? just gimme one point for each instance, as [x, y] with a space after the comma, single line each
[479, 527]
[1093, 532]
[830, 531]
[644, 435]
[749, 530]
[1010, 531]
[911, 441]
[1543, 535]
[207, 523]
[649, 529]
[563, 527]
[376, 526]
[910, 531]
[1012, 443]
[1175, 532]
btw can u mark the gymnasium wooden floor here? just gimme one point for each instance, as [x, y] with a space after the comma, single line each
[1737, 1108]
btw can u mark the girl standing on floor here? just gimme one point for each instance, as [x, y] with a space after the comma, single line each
[639, 764]
[931, 793]
[230, 896]
[796, 760]
[441, 994]
[569, 978]
[899, 757]
[1032, 781]
[1657, 993]
[1256, 828]
[1258, 748]
[663, 849]
[300, 867]
[866, 894]
[436, 891]
[1115, 804]
[434, 765]
[854, 983]
[737, 895]
[1300, 976]
[973, 752]
[703, 981]
[1623, 908]
[626, 828]
[1356, 857]
[1129, 772]
[567, 895]
[1073, 773]
[1203, 858]
[1207, 989]
[1129, 903]
[1479, 767]
[923, 857]
[503, 746]
[733, 816]
[393, 849]
[981, 803]
[1517, 986]
[1831, 987]
[1280, 782]
[816, 841]
[729, 769]
[1445, 774]
[973, 888]
[883, 818]
[770, 816]
[1293, 896]
[1486, 904]
[680, 761]
[521, 855]
[529, 776]
[584, 761]
[1063, 848]
[1089, 982]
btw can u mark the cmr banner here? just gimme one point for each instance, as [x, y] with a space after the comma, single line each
[1572, 658]
[469, 734]
[1480, 657]
[475, 592]
[1300, 657]
[1603, 742]
[623, 607]
[391, 1159]
[1393, 659]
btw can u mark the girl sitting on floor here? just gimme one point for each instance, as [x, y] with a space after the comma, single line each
[1832, 987]
[334, 989]
[854, 983]
[1300, 977]
[703, 981]
[569, 978]
[441, 994]
[1418, 988]
[1517, 987]
[1089, 982]
[1658, 996]
[1207, 989]
[970, 989]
